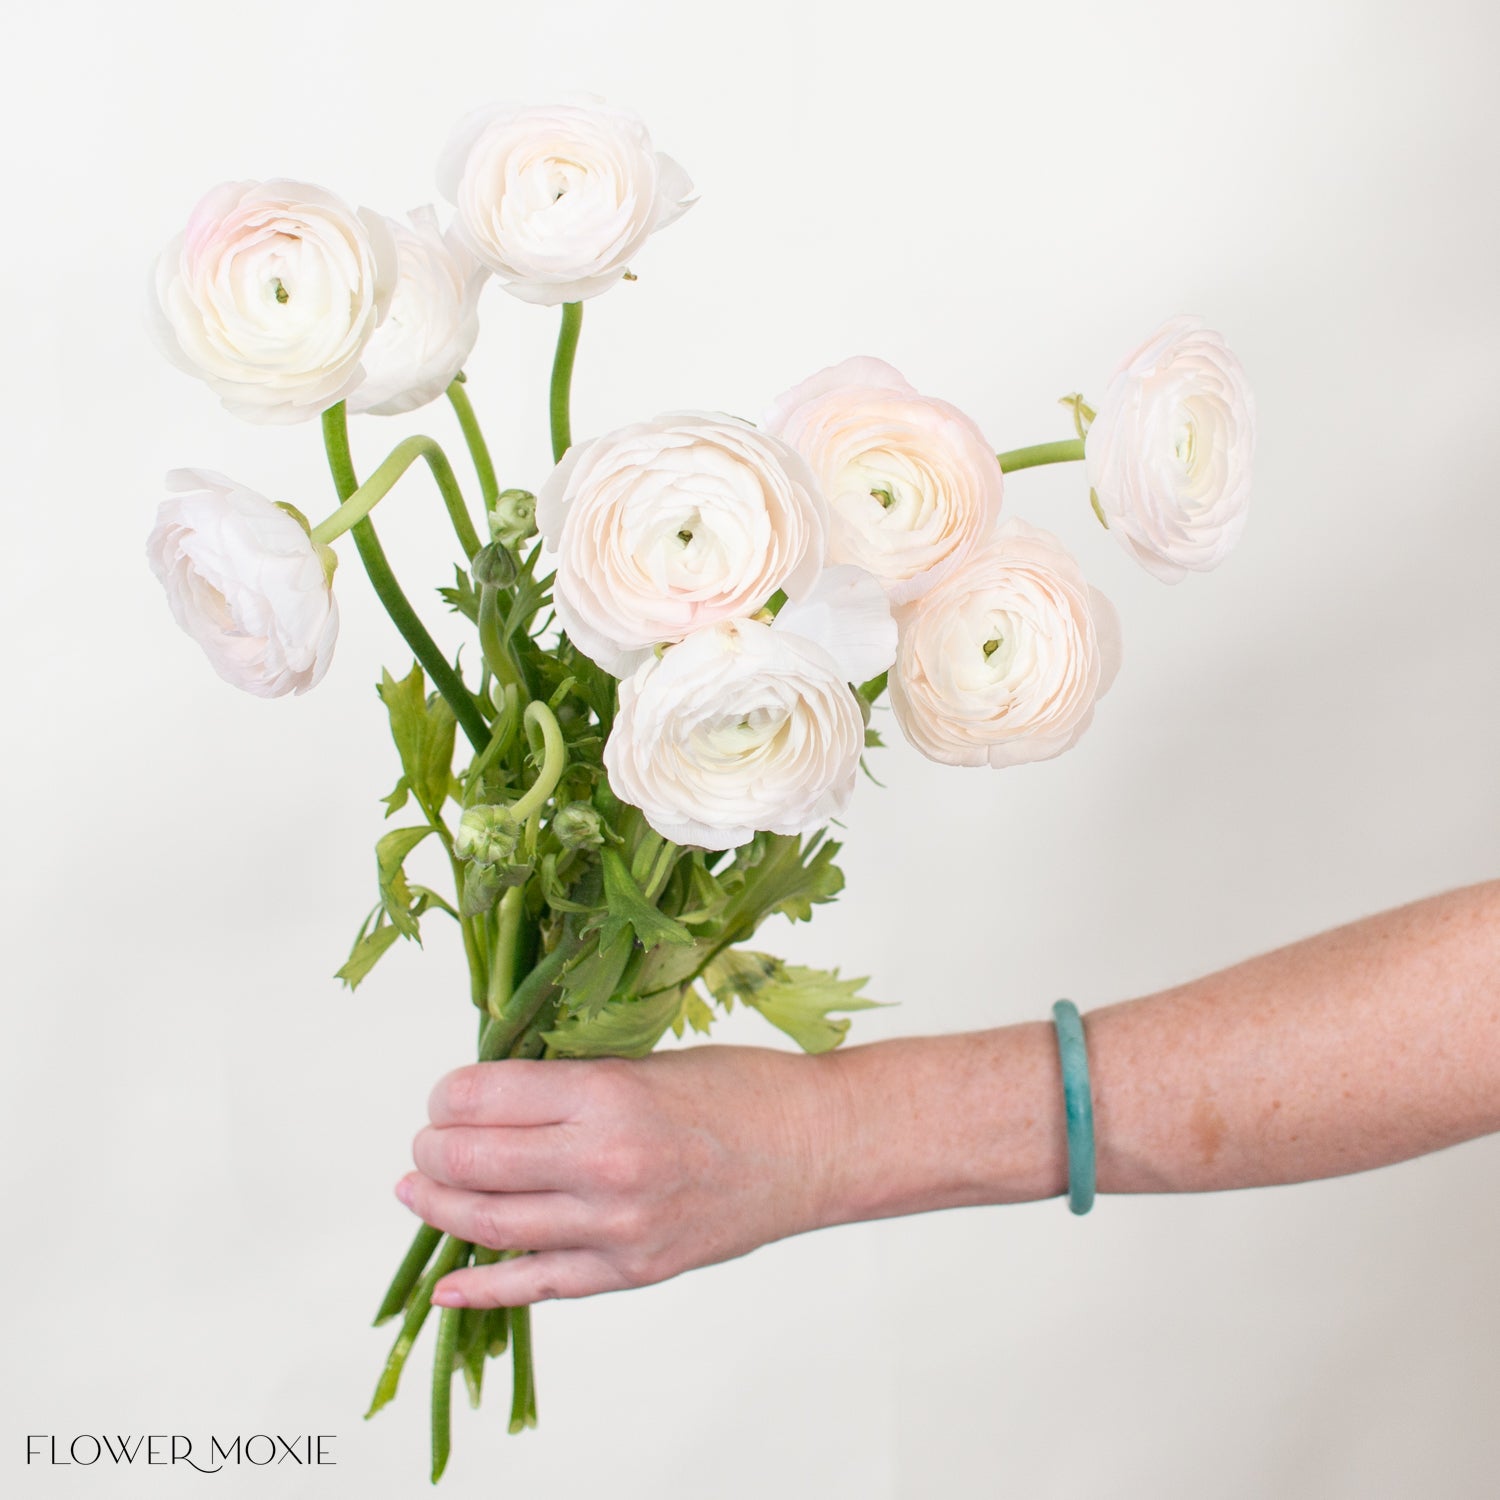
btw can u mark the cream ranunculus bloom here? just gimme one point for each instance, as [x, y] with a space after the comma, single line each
[556, 199]
[246, 581]
[271, 294]
[1002, 662]
[1169, 454]
[669, 525]
[739, 728]
[910, 481]
[432, 324]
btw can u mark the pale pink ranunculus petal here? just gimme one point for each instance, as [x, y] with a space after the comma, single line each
[910, 481]
[246, 581]
[847, 613]
[432, 324]
[1170, 453]
[739, 728]
[1003, 661]
[271, 294]
[669, 525]
[556, 199]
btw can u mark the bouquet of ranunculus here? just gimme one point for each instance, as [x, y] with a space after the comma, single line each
[680, 635]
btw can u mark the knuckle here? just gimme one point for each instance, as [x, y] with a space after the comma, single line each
[629, 1224]
[624, 1167]
[459, 1157]
[636, 1268]
[488, 1227]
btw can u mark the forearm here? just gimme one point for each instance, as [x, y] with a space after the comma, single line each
[1364, 1046]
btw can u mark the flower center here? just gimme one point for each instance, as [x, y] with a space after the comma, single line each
[886, 498]
[1185, 443]
[992, 646]
[282, 295]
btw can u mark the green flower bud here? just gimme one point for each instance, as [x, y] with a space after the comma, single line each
[494, 566]
[578, 826]
[514, 517]
[487, 834]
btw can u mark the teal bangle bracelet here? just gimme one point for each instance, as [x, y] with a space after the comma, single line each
[1079, 1103]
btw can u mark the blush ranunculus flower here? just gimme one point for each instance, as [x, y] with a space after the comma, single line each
[1170, 453]
[669, 525]
[742, 727]
[432, 324]
[247, 582]
[910, 481]
[556, 199]
[271, 294]
[1002, 662]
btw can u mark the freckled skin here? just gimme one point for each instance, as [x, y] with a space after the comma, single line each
[1365, 1046]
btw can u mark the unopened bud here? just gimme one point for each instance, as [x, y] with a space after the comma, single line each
[578, 826]
[513, 518]
[487, 834]
[494, 567]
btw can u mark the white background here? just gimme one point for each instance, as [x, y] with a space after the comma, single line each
[201, 1130]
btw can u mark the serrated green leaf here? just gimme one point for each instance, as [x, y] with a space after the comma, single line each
[592, 981]
[462, 598]
[423, 729]
[366, 953]
[695, 1013]
[395, 893]
[395, 800]
[628, 909]
[795, 999]
[624, 1028]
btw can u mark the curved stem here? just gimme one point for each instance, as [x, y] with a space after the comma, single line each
[363, 500]
[1062, 452]
[562, 379]
[554, 761]
[383, 580]
[479, 452]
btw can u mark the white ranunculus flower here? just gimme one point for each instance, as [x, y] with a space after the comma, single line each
[741, 727]
[1002, 662]
[432, 324]
[556, 199]
[669, 525]
[271, 294]
[1169, 454]
[910, 481]
[246, 581]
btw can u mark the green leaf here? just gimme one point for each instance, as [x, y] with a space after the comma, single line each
[624, 1028]
[484, 883]
[366, 954]
[395, 800]
[395, 893]
[592, 981]
[462, 598]
[795, 999]
[423, 729]
[629, 909]
[695, 1013]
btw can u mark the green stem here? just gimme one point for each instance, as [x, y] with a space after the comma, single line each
[383, 580]
[502, 975]
[479, 452]
[525, 1002]
[562, 379]
[408, 1272]
[442, 1388]
[358, 505]
[448, 1257]
[554, 760]
[1066, 451]
[523, 1382]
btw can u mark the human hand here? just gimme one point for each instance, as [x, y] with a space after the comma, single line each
[619, 1173]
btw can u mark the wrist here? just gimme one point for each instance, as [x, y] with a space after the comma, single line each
[926, 1123]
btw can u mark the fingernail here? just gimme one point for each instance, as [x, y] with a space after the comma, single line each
[405, 1192]
[446, 1296]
